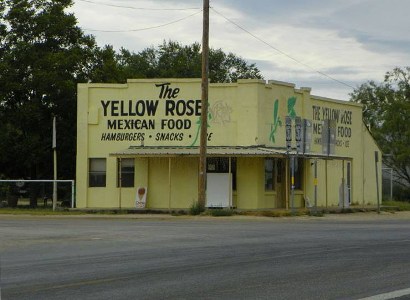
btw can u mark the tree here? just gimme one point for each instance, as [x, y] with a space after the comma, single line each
[387, 114]
[43, 54]
[106, 67]
[174, 60]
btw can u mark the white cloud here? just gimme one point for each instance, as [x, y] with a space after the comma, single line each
[350, 40]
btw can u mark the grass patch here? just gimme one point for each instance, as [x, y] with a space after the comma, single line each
[347, 210]
[109, 212]
[38, 211]
[396, 205]
[316, 213]
[220, 212]
[177, 213]
[275, 213]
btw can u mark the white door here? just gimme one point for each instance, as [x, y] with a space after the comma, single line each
[218, 191]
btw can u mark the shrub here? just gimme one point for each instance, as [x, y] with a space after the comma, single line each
[196, 209]
[401, 193]
[397, 205]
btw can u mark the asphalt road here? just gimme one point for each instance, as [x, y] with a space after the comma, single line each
[203, 258]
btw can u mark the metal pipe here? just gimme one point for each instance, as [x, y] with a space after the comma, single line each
[376, 159]
[391, 184]
[326, 180]
[120, 180]
[343, 184]
[230, 182]
[72, 193]
[292, 182]
[169, 183]
[315, 183]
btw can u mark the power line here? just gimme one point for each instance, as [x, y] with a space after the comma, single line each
[137, 8]
[282, 52]
[145, 28]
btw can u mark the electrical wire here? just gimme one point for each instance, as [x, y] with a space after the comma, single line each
[282, 52]
[137, 8]
[145, 28]
[191, 15]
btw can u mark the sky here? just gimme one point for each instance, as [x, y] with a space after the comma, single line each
[331, 46]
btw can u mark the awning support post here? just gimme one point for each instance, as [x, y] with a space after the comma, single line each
[169, 183]
[119, 180]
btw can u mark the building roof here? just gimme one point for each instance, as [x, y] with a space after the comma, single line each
[235, 151]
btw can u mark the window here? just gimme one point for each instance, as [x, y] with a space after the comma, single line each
[126, 173]
[269, 174]
[233, 171]
[298, 173]
[97, 172]
[221, 165]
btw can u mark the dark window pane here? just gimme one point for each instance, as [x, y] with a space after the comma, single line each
[298, 173]
[127, 172]
[97, 172]
[269, 174]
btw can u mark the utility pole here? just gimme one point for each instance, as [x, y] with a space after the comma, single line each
[204, 106]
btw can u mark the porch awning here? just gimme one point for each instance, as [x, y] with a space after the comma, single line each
[153, 151]
[234, 151]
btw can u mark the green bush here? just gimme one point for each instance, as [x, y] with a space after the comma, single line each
[196, 209]
[401, 193]
[400, 205]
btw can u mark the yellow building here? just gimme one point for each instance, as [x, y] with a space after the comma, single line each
[138, 146]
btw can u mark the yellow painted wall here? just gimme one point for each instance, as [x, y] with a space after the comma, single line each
[246, 113]
[82, 147]
[249, 185]
[269, 200]
[106, 197]
[369, 170]
[184, 179]
[158, 186]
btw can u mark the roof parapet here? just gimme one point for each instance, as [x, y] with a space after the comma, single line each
[277, 82]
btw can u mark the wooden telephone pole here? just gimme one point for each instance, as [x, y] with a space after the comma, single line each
[204, 106]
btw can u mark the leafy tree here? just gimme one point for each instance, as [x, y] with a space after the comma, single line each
[387, 113]
[106, 67]
[43, 55]
[174, 60]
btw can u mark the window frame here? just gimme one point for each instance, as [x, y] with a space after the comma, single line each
[271, 172]
[97, 172]
[127, 177]
[298, 174]
[223, 167]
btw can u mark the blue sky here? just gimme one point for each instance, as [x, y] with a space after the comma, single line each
[352, 41]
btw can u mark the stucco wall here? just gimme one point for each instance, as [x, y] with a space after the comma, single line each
[246, 113]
